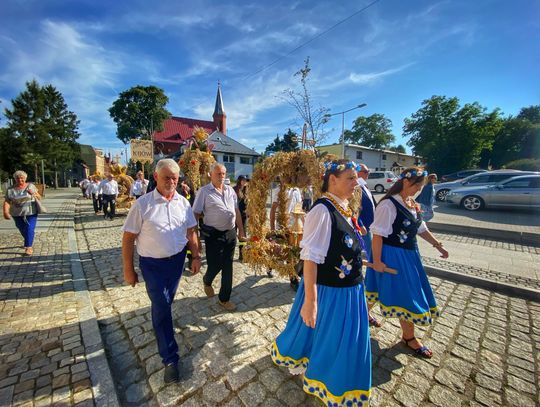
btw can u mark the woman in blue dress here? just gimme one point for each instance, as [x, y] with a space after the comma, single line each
[327, 334]
[406, 295]
[426, 198]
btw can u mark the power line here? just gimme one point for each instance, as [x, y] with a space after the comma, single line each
[312, 39]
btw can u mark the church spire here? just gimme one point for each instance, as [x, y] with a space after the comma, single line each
[220, 118]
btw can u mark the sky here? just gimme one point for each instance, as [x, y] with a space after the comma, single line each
[391, 56]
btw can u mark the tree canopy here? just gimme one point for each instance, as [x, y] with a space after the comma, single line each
[39, 123]
[288, 143]
[372, 131]
[451, 137]
[139, 111]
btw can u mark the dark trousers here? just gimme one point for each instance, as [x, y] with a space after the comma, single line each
[109, 205]
[27, 227]
[162, 277]
[97, 201]
[219, 257]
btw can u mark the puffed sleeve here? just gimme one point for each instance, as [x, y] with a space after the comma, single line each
[317, 231]
[423, 227]
[385, 214]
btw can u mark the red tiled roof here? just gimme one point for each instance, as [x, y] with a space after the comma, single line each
[179, 129]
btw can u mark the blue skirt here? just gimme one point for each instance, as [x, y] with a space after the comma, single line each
[406, 295]
[337, 352]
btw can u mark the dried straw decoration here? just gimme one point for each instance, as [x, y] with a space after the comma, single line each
[196, 161]
[266, 249]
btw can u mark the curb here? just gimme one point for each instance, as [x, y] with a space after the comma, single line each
[100, 373]
[511, 236]
[495, 286]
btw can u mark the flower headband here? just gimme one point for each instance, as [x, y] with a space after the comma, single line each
[413, 173]
[333, 166]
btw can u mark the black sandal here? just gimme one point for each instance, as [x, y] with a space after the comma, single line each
[422, 351]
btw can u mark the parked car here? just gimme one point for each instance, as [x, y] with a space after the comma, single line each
[460, 175]
[484, 178]
[517, 192]
[380, 181]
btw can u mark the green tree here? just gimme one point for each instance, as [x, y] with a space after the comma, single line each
[34, 160]
[450, 137]
[288, 143]
[372, 131]
[398, 149]
[518, 138]
[40, 123]
[139, 111]
[302, 101]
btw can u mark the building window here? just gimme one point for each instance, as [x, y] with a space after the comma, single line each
[384, 156]
[358, 155]
[228, 158]
[245, 160]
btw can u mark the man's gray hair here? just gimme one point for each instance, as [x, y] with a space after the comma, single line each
[20, 173]
[167, 163]
[215, 165]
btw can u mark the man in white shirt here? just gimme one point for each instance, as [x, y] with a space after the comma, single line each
[138, 188]
[94, 191]
[219, 204]
[164, 227]
[109, 192]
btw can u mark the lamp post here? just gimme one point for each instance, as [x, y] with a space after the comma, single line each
[328, 115]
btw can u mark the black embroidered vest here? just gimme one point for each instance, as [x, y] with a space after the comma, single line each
[343, 263]
[404, 228]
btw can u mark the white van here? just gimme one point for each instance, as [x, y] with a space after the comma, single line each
[381, 181]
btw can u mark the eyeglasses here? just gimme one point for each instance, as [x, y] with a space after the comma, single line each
[366, 171]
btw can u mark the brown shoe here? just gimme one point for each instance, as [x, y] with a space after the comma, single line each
[209, 291]
[228, 305]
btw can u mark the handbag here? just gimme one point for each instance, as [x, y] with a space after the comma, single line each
[40, 208]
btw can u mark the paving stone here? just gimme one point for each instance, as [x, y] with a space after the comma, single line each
[408, 396]
[137, 392]
[239, 376]
[451, 380]
[517, 399]
[272, 378]
[443, 397]
[216, 392]
[253, 394]
[291, 394]
[487, 397]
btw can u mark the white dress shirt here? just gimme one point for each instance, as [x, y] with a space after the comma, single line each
[108, 187]
[385, 215]
[139, 187]
[293, 197]
[160, 225]
[365, 190]
[93, 188]
[318, 230]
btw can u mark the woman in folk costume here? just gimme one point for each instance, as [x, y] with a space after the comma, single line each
[327, 334]
[406, 295]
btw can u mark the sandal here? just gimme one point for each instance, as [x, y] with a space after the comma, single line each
[422, 351]
[374, 322]
[28, 251]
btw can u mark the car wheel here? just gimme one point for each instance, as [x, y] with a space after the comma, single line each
[472, 203]
[441, 194]
[379, 189]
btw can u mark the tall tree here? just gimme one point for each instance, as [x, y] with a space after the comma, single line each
[302, 101]
[139, 111]
[372, 131]
[450, 137]
[398, 149]
[40, 123]
[288, 143]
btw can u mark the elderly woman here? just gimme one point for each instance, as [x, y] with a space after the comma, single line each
[20, 204]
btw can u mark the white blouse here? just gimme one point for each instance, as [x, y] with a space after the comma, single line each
[385, 215]
[318, 230]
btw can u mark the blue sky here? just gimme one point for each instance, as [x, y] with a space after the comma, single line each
[392, 57]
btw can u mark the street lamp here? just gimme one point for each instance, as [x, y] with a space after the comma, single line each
[328, 115]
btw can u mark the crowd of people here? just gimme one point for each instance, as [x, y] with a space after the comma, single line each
[327, 337]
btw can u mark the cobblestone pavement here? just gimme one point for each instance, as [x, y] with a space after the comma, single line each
[487, 258]
[42, 356]
[486, 345]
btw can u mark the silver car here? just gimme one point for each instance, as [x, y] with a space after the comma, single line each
[485, 178]
[517, 192]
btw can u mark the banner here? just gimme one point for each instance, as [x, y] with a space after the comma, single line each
[142, 151]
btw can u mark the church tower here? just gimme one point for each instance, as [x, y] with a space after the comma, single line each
[220, 118]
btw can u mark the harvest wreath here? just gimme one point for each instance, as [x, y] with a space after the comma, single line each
[278, 250]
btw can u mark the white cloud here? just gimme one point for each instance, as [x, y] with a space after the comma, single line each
[372, 77]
